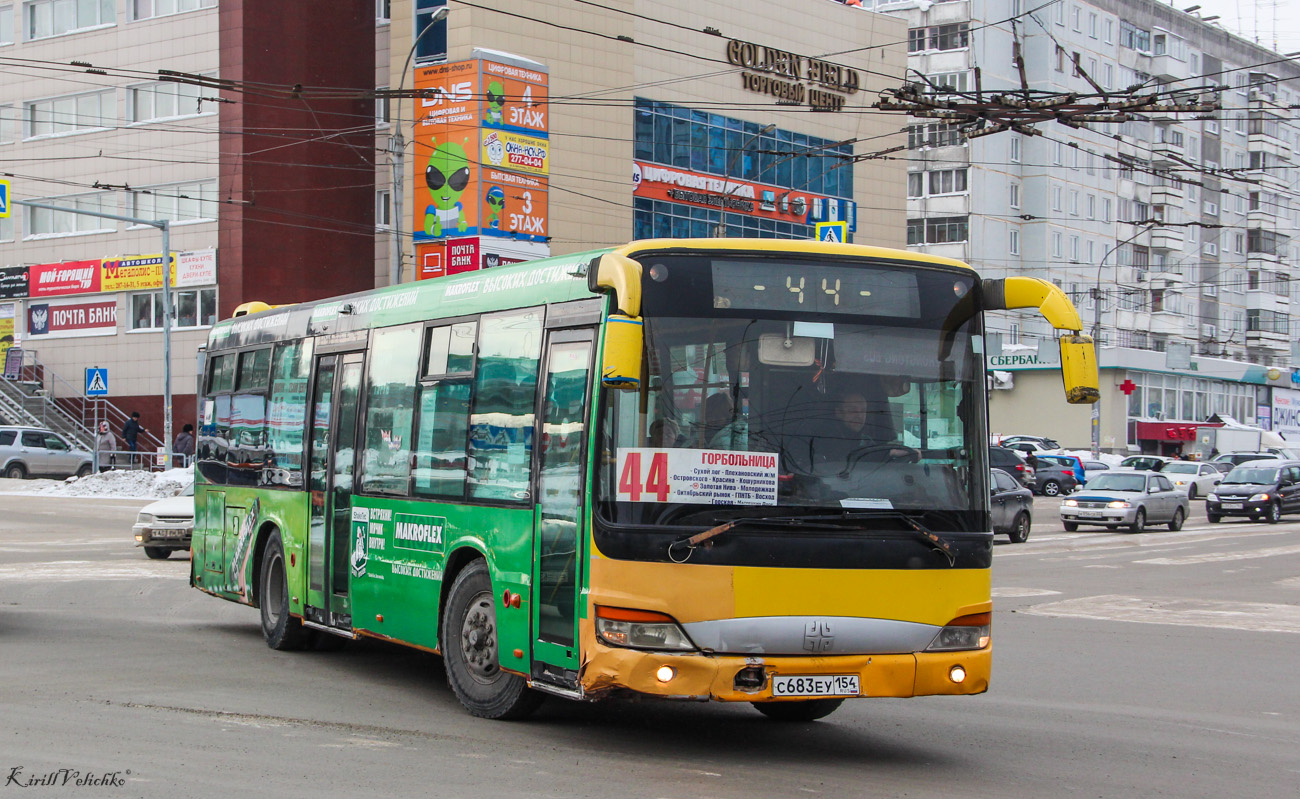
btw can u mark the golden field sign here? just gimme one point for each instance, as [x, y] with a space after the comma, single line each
[791, 78]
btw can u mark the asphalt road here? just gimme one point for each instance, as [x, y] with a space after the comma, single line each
[1126, 665]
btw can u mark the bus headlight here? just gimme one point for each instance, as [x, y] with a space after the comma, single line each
[963, 632]
[640, 629]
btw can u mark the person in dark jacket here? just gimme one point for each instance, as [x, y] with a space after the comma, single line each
[131, 433]
[185, 441]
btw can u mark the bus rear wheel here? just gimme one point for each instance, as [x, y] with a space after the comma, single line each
[805, 710]
[282, 631]
[470, 654]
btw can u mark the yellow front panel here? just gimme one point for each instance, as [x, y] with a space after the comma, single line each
[928, 596]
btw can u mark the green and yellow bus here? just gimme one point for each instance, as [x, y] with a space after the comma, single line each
[736, 470]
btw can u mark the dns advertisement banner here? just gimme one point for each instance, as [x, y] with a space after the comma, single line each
[481, 152]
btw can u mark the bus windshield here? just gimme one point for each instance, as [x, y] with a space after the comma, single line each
[780, 386]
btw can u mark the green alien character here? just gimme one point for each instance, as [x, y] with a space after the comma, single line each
[496, 201]
[447, 175]
[496, 98]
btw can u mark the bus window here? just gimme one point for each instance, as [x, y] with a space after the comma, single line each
[246, 455]
[287, 413]
[440, 442]
[254, 367]
[390, 405]
[222, 376]
[505, 390]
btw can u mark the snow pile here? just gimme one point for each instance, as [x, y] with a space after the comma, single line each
[123, 483]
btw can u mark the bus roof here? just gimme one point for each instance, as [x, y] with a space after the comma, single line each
[531, 283]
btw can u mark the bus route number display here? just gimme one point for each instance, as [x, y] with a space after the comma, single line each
[697, 476]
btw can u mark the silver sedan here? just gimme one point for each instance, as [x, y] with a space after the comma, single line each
[1126, 499]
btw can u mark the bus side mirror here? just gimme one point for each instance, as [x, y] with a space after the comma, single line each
[620, 277]
[1079, 370]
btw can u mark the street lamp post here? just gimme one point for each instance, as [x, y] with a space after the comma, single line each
[721, 229]
[397, 157]
[1096, 337]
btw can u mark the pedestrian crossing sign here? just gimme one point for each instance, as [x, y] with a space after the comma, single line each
[4, 199]
[837, 232]
[96, 382]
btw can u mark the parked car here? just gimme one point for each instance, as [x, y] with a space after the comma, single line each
[35, 452]
[1072, 462]
[1128, 499]
[1260, 490]
[1238, 458]
[1197, 479]
[1011, 506]
[1052, 479]
[1013, 463]
[1093, 468]
[1043, 442]
[1144, 463]
[166, 526]
[1222, 466]
[1029, 447]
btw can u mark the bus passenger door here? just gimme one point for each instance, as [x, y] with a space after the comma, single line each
[335, 401]
[558, 537]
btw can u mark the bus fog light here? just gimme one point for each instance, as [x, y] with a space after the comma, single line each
[957, 674]
[665, 673]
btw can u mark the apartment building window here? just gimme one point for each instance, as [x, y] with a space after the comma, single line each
[933, 134]
[190, 308]
[1056, 198]
[1092, 206]
[947, 181]
[6, 24]
[952, 81]
[10, 126]
[148, 9]
[950, 37]
[1092, 25]
[1108, 76]
[1056, 244]
[178, 202]
[1074, 203]
[383, 109]
[1057, 153]
[1014, 199]
[6, 228]
[1015, 149]
[164, 100]
[1110, 32]
[1239, 243]
[1267, 321]
[71, 113]
[916, 39]
[938, 230]
[1105, 209]
[1074, 19]
[915, 184]
[45, 18]
[44, 222]
[1211, 208]
[1013, 242]
[1074, 64]
[383, 11]
[1266, 241]
[383, 209]
[1074, 248]
[1133, 37]
[1060, 58]
[1060, 14]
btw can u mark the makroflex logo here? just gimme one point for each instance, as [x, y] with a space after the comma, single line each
[420, 533]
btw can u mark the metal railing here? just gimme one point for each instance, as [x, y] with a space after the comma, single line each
[51, 401]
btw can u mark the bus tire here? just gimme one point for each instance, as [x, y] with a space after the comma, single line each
[470, 654]
[282, 631]
[804, 710]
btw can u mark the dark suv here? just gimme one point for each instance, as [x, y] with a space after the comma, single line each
[1260, 490]
[1011, 462]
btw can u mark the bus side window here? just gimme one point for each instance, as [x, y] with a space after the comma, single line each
[501, 421]
[287, 413]
[390, 406]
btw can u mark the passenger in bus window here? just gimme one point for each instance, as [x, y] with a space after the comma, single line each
[663, 432]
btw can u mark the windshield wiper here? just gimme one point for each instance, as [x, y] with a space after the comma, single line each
[818, 521]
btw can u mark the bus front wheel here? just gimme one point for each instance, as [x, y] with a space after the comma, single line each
[281, 630]
[470, 655]
[805, 710]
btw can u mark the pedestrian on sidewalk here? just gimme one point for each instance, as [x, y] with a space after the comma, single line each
[105, 448]
[131, 433]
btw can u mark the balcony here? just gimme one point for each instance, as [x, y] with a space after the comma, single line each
[1279, 342]
[1167, 195]
[1167, 238]
[1267, 300]
[1265, 217]
[1264, 143]
[1163, 152]
[1166, 67]
[1169, 323]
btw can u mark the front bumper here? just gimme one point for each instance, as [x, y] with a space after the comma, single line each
[163, 535]
[1245, 506]
[1098, 516]
[703, 677]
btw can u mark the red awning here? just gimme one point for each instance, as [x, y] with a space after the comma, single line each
[1168, 431]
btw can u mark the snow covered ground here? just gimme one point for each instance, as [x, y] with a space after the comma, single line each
[110, 484]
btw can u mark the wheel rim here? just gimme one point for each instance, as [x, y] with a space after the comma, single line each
[1274, 512]
[1022, 529]
[1140, 519]
[478, 639]
[1178, 518]
[273, 590]
[1051, 489]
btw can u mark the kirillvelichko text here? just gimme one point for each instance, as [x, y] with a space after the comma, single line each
[65, 777]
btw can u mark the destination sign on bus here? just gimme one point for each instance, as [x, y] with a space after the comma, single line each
[697, 476]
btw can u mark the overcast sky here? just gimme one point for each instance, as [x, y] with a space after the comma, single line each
[1256, 18]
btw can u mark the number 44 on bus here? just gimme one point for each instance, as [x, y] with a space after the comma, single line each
[733, 470]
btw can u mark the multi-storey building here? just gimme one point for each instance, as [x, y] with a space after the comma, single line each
[1169, 229]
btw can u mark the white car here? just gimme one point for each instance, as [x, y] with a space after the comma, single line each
[1197, 479]
[166, 526]
[1093, 468]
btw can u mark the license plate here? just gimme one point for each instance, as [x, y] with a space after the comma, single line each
[167, 534]
[819, 685]
[1090, 514]
[1232, 506]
